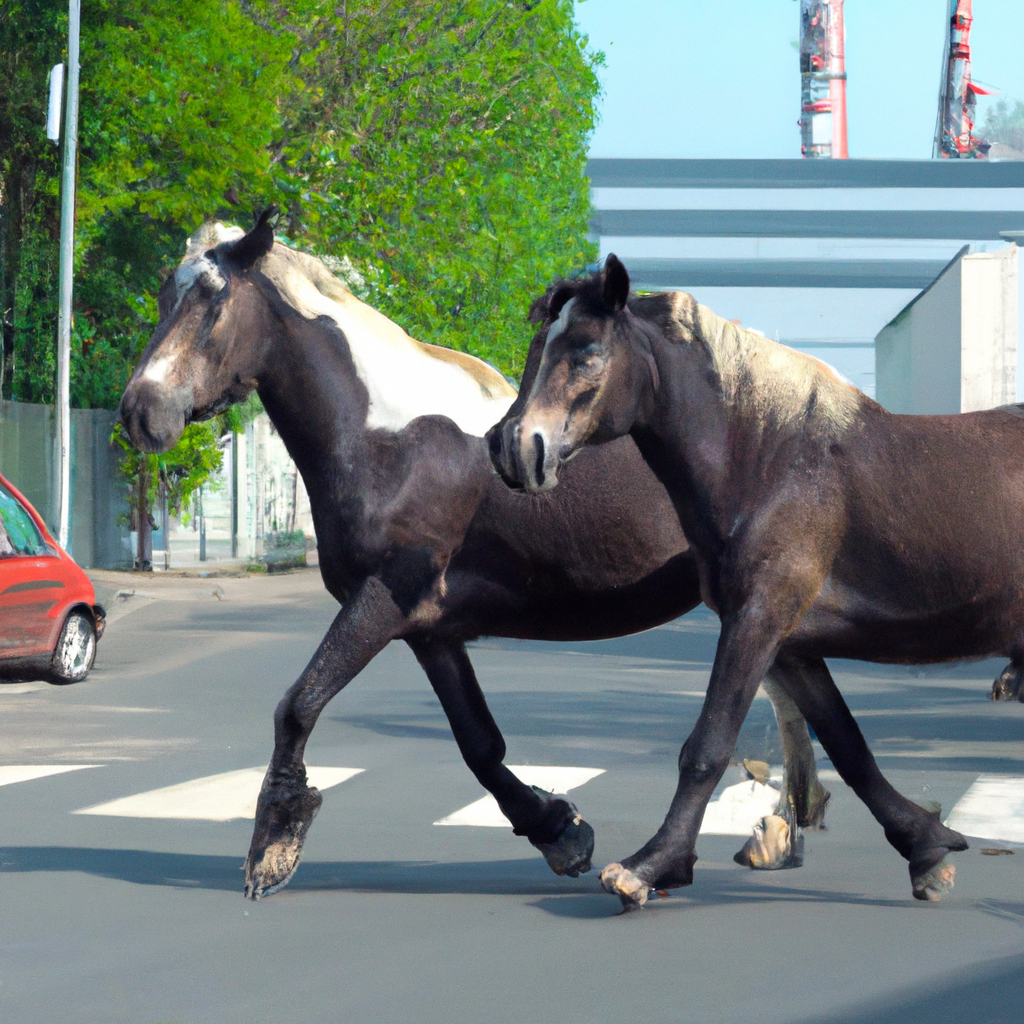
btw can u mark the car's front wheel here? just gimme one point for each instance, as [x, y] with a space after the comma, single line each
[75, 650]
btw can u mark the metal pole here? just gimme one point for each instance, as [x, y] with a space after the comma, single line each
[837, 83]
[234, 495]
[67, 267]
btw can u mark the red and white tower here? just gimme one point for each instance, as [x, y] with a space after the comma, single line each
[954, 126]
[823, 80]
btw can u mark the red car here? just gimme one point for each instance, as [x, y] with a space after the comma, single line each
[49, 619]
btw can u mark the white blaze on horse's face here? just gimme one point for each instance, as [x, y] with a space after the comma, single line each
[559, 415]
[561, 324]
[195, 268]
[198, 269]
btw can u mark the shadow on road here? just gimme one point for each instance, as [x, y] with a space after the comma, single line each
[981, 994]
[656, 720]
[562, 897]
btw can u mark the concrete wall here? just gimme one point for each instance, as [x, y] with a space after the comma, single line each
[954, 348]
[271, 496]
[27, 459]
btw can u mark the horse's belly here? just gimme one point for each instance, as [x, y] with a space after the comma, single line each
[847, 624]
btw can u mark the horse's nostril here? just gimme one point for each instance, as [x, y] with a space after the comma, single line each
[494, 443]
[538, 467]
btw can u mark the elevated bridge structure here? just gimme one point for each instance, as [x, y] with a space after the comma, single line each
[820, 254]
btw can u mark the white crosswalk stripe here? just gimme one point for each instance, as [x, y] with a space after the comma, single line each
[212, 798]
[739, 809]
[993, 808]
[551, 778]
[11, 773]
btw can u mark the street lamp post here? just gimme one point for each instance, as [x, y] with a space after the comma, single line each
[67, 267]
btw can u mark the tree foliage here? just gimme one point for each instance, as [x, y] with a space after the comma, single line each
[178, 473]
[438, 147]
[175, 105]
[441, 147]
[1005, 124]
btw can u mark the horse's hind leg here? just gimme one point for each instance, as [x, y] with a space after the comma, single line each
[776, 842]
[369, 620]
[551, 823]
[917, 834]
[1010, 684]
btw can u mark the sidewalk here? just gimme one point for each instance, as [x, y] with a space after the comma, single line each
[123, 592]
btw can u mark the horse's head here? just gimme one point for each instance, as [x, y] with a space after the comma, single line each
[584, 380]
[207, 347]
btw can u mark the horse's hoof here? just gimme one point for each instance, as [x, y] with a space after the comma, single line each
[931, 877]
[813, 818]
[934, 883]
[570, 853]
[621, 882]
[772, 846]
[282, 822]
[1010, 684]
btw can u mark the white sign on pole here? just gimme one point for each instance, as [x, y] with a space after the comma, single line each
[53, 111]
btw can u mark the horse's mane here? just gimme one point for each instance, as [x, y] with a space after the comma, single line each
[766, 377]
[762, 376]
[283, 260]
[331, 287]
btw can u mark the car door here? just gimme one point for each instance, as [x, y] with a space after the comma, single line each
[30, 582]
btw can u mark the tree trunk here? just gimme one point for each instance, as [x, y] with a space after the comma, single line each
[144, 550]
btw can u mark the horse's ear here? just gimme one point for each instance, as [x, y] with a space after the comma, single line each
[561, 296]
[539, 308]
[616, 283]
[255, 243]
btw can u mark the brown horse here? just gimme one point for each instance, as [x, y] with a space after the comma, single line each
[823, 527]
[418, 538]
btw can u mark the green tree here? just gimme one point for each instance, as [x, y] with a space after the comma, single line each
[1005, 124]
[177, 475]
[439, 147]
[179, 104]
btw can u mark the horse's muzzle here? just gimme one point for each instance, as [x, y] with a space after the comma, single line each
[502, 453]
[153, 415]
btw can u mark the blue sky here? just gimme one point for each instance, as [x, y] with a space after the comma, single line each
[687, 79]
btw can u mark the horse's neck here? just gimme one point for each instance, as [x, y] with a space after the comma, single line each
[684, 432]
[316, 401]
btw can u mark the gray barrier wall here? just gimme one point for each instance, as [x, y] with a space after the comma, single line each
[954, 348]
[97, 539]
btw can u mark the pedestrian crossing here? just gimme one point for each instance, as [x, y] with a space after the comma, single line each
[222, 797]
[229, 796]
[11, 773]
[485, 813]
[991, 809]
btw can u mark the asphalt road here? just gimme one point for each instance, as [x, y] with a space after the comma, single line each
[107, 919]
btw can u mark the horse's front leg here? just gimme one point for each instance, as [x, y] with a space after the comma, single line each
[745, 650]
[287, 805]
[776, 842]
[551, 823]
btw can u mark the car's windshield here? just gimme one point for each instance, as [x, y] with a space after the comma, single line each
[18, 533]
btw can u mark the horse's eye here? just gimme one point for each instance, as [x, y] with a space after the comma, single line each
[584, 358]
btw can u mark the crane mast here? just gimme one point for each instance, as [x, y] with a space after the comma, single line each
[822, 80]
[954, 126]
